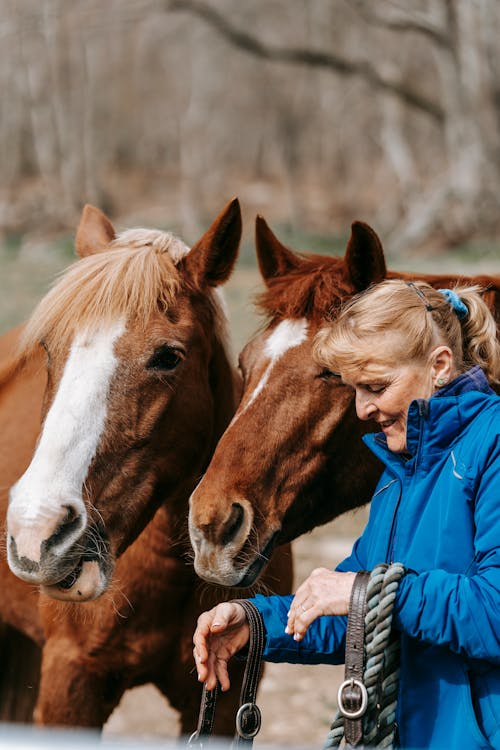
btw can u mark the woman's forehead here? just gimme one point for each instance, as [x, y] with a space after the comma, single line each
[377, 371]
[367, 372]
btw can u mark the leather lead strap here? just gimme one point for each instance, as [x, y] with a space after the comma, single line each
[248, 717]
[352, 696]
[205, 718]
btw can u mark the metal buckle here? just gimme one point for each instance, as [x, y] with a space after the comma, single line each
[194, 740]
[346, 713]
[255, 710]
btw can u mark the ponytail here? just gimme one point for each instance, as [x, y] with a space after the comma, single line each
[480, 344]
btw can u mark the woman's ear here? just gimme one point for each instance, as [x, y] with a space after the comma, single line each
[442, 366]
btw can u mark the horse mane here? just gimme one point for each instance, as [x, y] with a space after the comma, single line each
[319, 284]
[313, 289]
[134, 278]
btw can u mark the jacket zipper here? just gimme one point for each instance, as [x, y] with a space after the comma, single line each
[390, 545]
[422, 412]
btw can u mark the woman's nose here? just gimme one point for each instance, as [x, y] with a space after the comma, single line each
[365, 408]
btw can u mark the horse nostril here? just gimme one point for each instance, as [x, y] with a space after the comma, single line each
[233, 524]
[68, 524]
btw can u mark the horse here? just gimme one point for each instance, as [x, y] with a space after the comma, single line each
[110, 408]
[292, 457]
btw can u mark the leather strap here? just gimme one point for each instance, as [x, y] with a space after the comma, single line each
[352, 695]
[205, 717]
[248, 717]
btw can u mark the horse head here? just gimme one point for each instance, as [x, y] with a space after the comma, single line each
[292, 458]
[270, 477]
[139, 388]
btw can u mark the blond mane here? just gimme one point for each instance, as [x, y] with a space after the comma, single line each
[131, 280]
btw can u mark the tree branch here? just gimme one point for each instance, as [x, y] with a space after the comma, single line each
[304, 56]
[417, 23]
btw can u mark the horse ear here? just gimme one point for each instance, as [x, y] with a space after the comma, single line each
[364, 257]
[211, 260]
[94, 233]
[274, 258]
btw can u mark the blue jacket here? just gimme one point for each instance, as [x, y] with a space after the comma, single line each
[438, 513]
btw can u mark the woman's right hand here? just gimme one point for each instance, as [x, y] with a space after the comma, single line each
[220, 633]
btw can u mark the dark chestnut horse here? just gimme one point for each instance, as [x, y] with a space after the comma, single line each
[126, 361]
[292, 457]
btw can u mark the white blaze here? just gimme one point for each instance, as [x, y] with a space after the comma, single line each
[71, 434]
[287, 335]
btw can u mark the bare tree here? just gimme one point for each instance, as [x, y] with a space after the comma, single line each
[463, 104]
[313, 111]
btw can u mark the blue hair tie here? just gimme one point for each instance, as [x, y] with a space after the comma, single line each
[460, 308]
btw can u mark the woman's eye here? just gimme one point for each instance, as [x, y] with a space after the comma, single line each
[376, 388]
[165, 358]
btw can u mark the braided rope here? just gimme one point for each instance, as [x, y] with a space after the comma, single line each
[381, 673]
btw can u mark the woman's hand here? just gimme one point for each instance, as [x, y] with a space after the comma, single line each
[220, 633]
[325, 592]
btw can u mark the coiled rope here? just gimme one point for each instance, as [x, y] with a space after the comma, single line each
[381, 672]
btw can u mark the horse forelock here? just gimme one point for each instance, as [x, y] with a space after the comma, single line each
[130, 281]
[313, 291]
[160, 242]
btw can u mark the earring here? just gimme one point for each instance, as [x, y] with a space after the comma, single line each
[441, 381]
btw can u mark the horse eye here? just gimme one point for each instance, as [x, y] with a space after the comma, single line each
[327, 374]
[164, 358]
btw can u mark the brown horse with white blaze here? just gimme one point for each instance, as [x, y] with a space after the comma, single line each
[292, 457]
[126, 360]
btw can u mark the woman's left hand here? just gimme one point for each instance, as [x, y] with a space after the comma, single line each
[325, 592]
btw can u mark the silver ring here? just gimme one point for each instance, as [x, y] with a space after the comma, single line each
[354, 714]
[304, 609]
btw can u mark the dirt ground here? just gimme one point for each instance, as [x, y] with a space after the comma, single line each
[297, 702]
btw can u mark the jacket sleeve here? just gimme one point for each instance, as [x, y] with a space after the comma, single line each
[461, 611]
[324, 642]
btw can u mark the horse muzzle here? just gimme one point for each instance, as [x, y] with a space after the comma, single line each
[82, 573]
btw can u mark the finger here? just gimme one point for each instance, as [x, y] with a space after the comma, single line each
[201, 665]
[210, 675]
[304, 620]
[298, 607]
[201, 636]
[200, 650]
[221, 617]
[222, 674]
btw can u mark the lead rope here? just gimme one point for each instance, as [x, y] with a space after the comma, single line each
[377, 690]
[248, 718]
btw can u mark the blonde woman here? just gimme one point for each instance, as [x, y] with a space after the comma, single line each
[421, 363]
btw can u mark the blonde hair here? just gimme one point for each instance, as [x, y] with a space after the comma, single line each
[398, 322]
[136, 276]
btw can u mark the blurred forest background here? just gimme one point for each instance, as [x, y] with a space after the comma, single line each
[313, 112]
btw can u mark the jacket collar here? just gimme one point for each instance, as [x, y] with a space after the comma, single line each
[437, 420]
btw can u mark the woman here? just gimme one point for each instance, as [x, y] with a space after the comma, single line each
[420, 362]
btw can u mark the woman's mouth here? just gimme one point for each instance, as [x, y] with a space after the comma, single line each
[386, 424]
